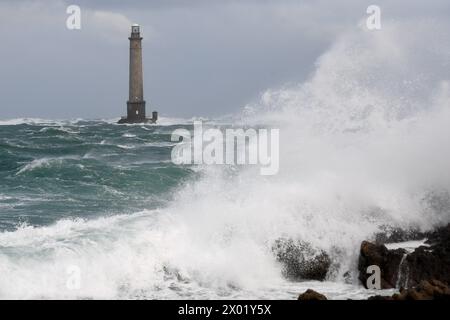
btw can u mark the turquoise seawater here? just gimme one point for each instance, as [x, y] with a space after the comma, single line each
[83, 169]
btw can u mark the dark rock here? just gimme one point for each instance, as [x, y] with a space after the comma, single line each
[310, 295]
[430, 262]
[300, 261]
[425, 290]
[440, 237]
[379, 255]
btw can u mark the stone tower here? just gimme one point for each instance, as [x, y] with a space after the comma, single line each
[136, 102]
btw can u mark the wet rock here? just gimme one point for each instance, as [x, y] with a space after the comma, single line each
[425, 290]
[439, 237]
[300, 260]
[387, 260]
[429, 262]
[311, 295]
[348, 279]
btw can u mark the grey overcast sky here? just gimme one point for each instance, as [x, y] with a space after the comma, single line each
[201, 57]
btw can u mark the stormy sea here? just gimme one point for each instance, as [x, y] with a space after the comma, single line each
[364, 146]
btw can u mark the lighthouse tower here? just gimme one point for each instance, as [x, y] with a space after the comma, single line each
[136, 103]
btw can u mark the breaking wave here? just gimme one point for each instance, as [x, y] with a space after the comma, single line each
[364, 144]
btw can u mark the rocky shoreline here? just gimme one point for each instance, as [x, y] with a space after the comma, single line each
[420, 271]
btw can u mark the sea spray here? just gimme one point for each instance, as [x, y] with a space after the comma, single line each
[363, 144]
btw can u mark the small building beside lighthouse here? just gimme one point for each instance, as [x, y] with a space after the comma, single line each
[136, 112]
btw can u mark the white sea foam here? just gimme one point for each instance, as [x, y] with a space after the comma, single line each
[129, 135]
[160, 144]
[36, 163]
[129, 256]
[123, 146]
[43, 162]
[409, 246]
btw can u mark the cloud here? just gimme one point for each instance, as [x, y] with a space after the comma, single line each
[205, 57]
[110, 25]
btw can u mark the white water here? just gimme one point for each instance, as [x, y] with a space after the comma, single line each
[409, 246]
[364, 143]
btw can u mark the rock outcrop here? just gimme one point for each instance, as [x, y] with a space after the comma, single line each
[311, 295]
[300, 261]
[387, 260]
[430, 262]
[425, 290]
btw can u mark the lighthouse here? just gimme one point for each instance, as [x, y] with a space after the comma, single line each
[136, 103]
